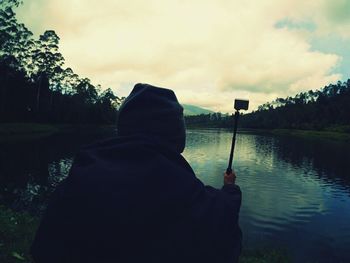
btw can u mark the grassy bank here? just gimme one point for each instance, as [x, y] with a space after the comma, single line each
[264, 256]
[326, 134]
[14, 132]
[17, 232]
[203, 126]
[340, 133]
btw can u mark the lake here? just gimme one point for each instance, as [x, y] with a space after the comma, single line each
[296, 192]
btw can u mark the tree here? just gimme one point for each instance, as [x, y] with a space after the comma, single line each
[47, 61]
[15, 41]
[86, 91]
[9, 3]
[32, 77]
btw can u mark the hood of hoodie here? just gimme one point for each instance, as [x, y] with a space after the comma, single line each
[154, 112]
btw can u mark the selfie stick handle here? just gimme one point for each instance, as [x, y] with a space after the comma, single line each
[229, 168]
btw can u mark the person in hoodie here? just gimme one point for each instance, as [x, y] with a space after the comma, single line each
[134, 198]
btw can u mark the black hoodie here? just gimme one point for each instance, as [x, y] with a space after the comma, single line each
[134, 198]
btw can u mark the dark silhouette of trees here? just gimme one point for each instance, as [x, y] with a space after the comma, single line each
[313, 110]
[47, 62]
[35, 86]
[328, 108]
[210, 120]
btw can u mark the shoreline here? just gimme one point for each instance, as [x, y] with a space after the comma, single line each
[21, 132]
[306, 134]
[329, 135]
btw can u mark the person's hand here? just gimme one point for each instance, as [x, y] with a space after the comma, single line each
[229, 178]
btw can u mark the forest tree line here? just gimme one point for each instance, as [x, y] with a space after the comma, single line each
[313, 110]
[327, 108]
[210, 120]
[35, 85]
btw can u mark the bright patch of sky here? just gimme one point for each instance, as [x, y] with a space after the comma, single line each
[208, 51]
[330, 43]
[336, 45]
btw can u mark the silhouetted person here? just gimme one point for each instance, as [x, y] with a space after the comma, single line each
[134, 198]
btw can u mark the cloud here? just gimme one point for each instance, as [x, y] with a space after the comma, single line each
[209, 52]
[328, 16]
[336, 18]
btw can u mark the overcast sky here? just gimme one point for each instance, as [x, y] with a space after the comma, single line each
[208, 52]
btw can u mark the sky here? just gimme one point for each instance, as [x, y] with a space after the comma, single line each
[208, 51]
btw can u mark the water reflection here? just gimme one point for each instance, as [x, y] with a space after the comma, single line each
[296, 192]
[30, 171]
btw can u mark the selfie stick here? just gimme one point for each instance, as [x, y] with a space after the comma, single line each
[239, 105]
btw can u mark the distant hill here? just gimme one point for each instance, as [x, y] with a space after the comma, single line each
[190, 110]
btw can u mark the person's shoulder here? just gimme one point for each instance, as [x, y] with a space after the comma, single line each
[132, 152]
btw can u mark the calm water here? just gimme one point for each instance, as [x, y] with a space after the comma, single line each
[296, 192]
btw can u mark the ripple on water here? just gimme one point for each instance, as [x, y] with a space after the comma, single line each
[270, 225]
[288, 193]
